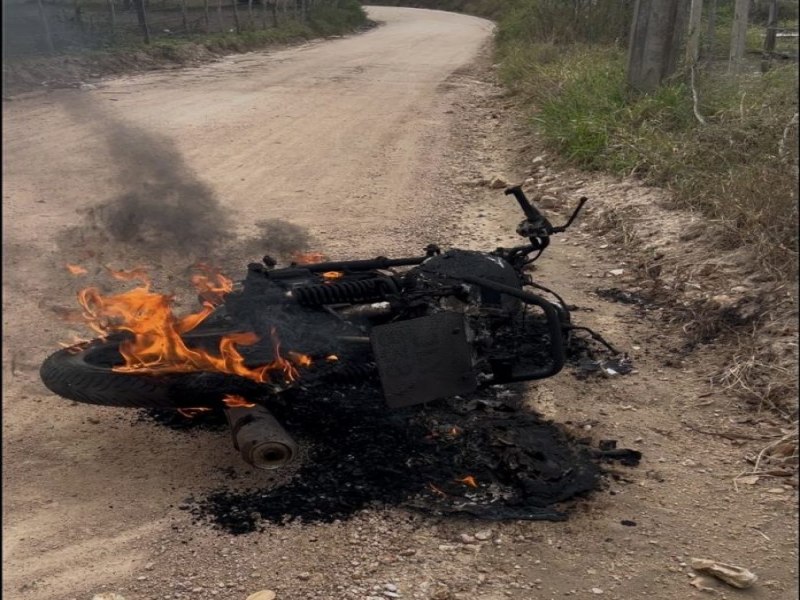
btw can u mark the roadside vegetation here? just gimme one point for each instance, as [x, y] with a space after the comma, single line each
[84, 38]
[730, 155]
[724, 144]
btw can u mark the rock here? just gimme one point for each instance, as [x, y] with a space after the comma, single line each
[483, 535]
[304, 576]
[497, 183]
[548, 201]
[738, 577]
[538, 159]
[108, 596]
[701, 583]
[616, 272]
[390, 587]
[466, 538]
[597, 591]
[263, 595]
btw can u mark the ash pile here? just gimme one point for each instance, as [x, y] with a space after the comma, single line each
[483, 456]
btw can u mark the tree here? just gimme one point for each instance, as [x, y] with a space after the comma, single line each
[655, 41]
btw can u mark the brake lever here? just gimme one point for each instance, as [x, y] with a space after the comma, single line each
[561, 228]
[531, 212]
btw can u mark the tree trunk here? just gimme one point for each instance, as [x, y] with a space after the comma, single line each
[712, 27]
[78, 15]
[206, 17]
[693, 43]
[219, 16]
[274, 7]
[654, 43]
[184, 17]
[112, 16]
[141, 16]
[739, 34]
[48, 38]
[250, 14]
[236, 23]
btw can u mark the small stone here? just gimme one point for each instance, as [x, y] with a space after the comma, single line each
[497, 183]
[483, 535]
[108, 596]
[776, 490]
[597, 591]
[616, 272]
[466, 538]
[262, 595]
[390, 587]
[305, 575]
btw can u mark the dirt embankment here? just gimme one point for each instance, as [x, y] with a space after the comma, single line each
[373, 145]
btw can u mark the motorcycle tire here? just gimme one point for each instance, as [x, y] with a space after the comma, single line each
[84, 373]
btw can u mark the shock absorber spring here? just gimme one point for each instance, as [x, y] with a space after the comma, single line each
[343, 292]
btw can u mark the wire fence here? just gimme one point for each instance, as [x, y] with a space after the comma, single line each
[35, 27]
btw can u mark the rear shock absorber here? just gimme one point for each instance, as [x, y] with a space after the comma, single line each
[345, 292]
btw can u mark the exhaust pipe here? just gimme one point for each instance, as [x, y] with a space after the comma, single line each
[259, 438]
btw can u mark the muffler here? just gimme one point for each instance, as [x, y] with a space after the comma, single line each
[259, 438]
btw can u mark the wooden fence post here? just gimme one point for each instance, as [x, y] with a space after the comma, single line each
[772, 24]
[738, 34]
[112, 16]
[48, 38]
[236, 23]
[141, 15]
[184, 17]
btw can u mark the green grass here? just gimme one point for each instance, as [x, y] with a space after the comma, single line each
[730, 168]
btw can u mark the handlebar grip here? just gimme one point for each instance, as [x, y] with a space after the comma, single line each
[529, 210]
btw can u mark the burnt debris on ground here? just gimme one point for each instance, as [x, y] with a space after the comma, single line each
[483, 456]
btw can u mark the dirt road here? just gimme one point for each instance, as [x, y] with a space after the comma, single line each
[372, 143]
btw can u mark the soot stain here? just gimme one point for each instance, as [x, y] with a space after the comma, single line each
[484, 457]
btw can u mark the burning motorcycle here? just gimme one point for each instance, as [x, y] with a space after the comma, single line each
[426, 327]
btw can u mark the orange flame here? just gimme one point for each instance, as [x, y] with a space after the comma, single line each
[234, 401]
[211, 284]
[301, 360]
[137, 274]
[332, 275]
[157, 345]
[468, 480]
[308, 258]
[76, 270]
